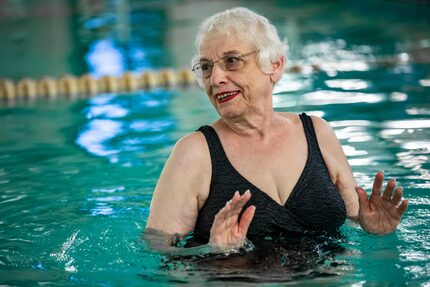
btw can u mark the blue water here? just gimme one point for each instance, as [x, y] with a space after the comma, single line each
[76, 177]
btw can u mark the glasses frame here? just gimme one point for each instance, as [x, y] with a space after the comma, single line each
[221, 64]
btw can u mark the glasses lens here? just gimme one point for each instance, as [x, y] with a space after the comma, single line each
[206, 68]
[232, 62]
[197, 69]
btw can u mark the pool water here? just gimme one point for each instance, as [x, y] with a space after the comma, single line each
[76, 177]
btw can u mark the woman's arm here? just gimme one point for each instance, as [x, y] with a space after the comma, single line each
[379, 214]
[182, 187]
[338, 166]
[181, 191]
[227, 232]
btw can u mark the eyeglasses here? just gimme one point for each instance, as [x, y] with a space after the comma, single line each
[229, 62]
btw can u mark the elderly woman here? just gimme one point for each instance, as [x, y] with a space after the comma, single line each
[255, 172]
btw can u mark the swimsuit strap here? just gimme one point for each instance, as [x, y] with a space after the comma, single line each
[309, 130]
[314, 150]
[218, 156]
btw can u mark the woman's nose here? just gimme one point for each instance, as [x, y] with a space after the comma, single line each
[218, 75]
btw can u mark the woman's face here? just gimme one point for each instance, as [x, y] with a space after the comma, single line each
[235, 93]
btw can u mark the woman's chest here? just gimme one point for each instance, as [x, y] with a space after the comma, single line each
[274, 171]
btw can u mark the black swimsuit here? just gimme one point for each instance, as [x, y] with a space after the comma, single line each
[314, 205]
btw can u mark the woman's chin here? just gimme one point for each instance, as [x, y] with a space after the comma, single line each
[230, 114]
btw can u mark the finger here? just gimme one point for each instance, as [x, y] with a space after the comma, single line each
[397, 196]
[235, 199]
[402, 207]
[246, 219]
[388, 193]
[225, 212]
[245, 197]
[240, 203]
[377, 184]
[232, 209]
[363, 201]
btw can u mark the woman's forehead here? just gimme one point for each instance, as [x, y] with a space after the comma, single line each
[218, 45]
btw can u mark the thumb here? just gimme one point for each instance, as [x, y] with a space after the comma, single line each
[362, 199]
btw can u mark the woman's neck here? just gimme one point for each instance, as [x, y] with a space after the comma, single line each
[253, 125]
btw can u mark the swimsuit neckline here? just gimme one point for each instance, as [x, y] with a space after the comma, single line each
[296, 186]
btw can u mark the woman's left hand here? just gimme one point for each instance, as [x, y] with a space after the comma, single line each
[381, 213]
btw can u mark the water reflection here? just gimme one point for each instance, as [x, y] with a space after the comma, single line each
[408, 124]
[351, 151]
[118, 127]
[104, 58]
[97, 37]
[348, 84]
[106, 111]
[425, 82]
[124, 38]
[418, 110]
[398, 97]
[290, 83]
[96, 134]
[334, 56]
[329, 97]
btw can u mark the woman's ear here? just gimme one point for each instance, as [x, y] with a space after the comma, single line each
[277, 69]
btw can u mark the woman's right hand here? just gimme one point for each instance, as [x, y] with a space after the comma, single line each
[227, 231]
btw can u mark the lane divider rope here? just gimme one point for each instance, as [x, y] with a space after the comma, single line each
[88, 86]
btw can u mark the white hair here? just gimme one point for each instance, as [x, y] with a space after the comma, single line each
[250, 27]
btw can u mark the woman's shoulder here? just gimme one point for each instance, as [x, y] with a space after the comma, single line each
[293, 117]
[323, 129]
[321, 126]
[191, 148]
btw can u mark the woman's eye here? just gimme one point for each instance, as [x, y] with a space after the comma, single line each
[232, 59]
[205, 66]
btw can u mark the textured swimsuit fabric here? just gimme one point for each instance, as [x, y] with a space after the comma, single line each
[314, 205]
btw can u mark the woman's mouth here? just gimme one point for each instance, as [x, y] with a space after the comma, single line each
[226, 96]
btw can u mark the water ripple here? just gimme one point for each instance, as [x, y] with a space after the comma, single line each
[407, 124]
[13, 198]
[418, 110]
[107, 111]
[348, 84]
[328, 97]
[63, 255]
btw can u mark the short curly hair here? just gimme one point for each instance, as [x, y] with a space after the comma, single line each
[249, 26]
